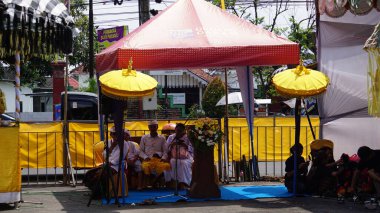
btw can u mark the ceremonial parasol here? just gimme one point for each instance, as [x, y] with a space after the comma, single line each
[119, 85]
[372, 46]
[299, 83]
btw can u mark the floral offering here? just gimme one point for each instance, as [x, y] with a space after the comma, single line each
[205, 134]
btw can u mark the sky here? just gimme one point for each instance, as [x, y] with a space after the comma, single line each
[107, 15]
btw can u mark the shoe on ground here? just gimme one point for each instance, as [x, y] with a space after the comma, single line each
[371, 204]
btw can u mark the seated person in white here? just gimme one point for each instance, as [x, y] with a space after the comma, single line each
[153, 154]
[133, 160]
[114, 151]
[184, 158]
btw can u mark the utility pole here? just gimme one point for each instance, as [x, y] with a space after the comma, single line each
[143, 11]
[91, 39]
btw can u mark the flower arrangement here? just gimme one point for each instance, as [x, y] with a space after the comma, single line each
[205, 134]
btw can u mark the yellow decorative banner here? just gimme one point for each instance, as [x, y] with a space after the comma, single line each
[41, 145]
[10, 178]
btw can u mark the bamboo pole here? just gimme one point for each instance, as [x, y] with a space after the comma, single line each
[17, 86]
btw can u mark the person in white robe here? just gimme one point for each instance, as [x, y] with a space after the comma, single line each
[180, 150]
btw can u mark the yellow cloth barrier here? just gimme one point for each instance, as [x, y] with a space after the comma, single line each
[41, 145]
[273, 137]
[82, 138]
[10, 178]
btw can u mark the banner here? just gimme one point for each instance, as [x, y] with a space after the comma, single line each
[106, 37]
[10, 178]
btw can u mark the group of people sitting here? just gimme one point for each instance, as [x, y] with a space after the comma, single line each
[152, 160]
[356, 176]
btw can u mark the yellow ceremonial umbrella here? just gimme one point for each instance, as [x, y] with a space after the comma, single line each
[300, 82]
[121, 84]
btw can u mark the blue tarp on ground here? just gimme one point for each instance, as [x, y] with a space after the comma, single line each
[227, 192]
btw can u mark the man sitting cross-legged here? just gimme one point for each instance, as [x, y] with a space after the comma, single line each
[153, 152]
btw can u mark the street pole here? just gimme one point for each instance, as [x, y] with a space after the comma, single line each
[143, 11]
[91, 39]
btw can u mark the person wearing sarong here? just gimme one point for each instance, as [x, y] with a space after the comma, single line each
[183, 155]
[153, 151]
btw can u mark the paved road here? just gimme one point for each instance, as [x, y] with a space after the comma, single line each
[71, 199]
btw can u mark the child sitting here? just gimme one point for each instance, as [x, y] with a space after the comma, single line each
[302, 166]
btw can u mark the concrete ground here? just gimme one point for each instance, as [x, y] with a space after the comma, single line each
[70, 199]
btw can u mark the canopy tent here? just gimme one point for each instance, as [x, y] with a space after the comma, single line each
[343, 108]
[197, 34]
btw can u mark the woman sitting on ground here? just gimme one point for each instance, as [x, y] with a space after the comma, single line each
[320, 179]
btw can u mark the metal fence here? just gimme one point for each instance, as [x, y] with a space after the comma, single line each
[271, 147]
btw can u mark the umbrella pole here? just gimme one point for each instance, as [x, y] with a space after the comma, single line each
[118, 121]
[308, 119]
[297, 116]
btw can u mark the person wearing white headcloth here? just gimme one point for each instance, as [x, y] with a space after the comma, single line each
[153, 151]
[114, 151]
[183, 155]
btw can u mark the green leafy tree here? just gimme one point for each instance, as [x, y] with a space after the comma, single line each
[80, 56]
[34, 72]
[91, 87]
[214, 92]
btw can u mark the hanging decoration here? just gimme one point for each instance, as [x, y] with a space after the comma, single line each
[372, 46]
[337, 8]
[34, 28]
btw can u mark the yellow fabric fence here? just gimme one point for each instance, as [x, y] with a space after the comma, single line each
[42, 145]
[273, 137]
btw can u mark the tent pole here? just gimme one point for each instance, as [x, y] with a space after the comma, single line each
[100, 110]
[250, 124]
[66, 148]
[226, 145]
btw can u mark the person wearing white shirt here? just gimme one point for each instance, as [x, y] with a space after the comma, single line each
[114, 151]
[183, 157]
